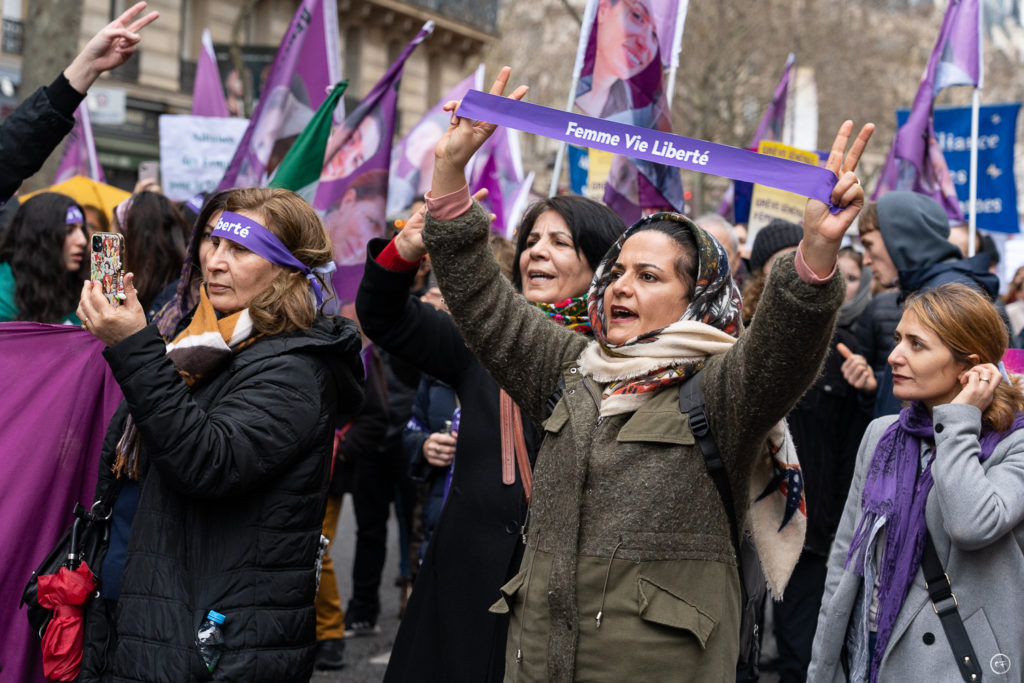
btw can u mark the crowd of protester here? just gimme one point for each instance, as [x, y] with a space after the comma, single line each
[518, 405]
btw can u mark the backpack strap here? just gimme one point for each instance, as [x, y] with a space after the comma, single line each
[691, 402]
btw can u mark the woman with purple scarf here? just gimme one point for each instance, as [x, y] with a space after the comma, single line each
[948, 469]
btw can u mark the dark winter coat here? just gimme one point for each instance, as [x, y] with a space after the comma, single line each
[447, 633]
[33, 131]
[233, 488]
[625, 521]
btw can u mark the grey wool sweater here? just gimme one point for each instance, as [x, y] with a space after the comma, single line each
[630, 492]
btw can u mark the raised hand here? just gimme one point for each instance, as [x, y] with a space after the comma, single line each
[823, 230]
[111, 324]
[462, 139]
[109, 48]
[856, 370]
[409, 240]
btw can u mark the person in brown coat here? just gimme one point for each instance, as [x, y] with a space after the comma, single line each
[629, 570]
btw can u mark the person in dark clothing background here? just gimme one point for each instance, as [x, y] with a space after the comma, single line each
[910, 248]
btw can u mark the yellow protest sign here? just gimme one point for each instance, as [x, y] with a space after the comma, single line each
[767, 203]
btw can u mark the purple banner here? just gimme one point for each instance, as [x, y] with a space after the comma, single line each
[352, 195]
[59, 396]
[652, 145]
[305, 65]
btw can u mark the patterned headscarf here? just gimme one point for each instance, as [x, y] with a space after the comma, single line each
[715, 300]
[640, 367]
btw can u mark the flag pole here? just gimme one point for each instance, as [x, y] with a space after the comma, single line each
[972, 197]
[581, 49]
[677, 44]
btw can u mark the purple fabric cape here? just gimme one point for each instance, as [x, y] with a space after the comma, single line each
[59, 396]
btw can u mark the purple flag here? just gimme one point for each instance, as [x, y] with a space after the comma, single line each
[498, 168]
[770, 127]
[621, 80]
[352, 195]
[412, 161]
[305, 65]
[208, 92]
[79, 157]
[59, 396]
[915, 160]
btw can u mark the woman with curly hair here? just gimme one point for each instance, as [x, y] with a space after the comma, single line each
[41, 261]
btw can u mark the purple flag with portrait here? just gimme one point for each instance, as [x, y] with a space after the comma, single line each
[498, 168]
[59, 396]
[770, 128]
[412, 160]
[306, 64]
[352, 195]
[208, 91]
[622, 79]
[79, 157]
[915, 161]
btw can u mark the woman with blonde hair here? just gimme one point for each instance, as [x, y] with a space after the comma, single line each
[934, 512]
[221, 453]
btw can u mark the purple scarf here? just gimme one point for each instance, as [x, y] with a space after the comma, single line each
[893, 489]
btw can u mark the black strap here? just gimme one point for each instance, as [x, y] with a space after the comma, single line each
[944, 603]
[691, 402]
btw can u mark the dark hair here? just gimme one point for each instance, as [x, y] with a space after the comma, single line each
[593, 226]
[33, 245]
[853, 255]
[155, 235]
[867, 221]
[686, 264]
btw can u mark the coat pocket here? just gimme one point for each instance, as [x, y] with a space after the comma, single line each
[663, 604]
[504, 604]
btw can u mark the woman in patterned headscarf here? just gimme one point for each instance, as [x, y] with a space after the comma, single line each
[629, 570]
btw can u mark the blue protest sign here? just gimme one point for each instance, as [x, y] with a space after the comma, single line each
[579, 169]
[997, 186]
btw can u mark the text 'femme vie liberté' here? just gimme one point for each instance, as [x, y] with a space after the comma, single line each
[637, 143]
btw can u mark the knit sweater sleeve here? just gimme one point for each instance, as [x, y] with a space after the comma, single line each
[759, 380]
[517, 344]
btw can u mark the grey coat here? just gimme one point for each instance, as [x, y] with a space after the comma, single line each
[624, 519]
[974, 513]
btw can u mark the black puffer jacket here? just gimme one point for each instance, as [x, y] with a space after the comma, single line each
[233, 487]
[33, 131]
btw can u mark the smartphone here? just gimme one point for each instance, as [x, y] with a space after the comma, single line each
[149, 170]
[107, 266]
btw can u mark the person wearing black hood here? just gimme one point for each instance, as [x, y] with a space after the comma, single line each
[911, 249]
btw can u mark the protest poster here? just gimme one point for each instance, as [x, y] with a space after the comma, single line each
[195, 152]
[769, 203]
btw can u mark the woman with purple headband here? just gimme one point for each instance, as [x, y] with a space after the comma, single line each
[221, 452]
[43, 260]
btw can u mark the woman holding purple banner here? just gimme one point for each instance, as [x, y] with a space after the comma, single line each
[629, 570]
[221, 453]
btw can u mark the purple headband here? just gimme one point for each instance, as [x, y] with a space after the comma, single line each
[74, 215]
[259, 240]
[196, 203]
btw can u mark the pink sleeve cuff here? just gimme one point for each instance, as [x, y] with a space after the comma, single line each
[389, 258]
[451, 205]
[805, 272]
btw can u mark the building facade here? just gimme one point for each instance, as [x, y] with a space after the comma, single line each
[159, 78]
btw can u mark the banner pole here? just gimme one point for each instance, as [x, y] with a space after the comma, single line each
[972, 200]
[581, 49]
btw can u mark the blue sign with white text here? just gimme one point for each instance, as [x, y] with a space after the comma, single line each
[997, 133]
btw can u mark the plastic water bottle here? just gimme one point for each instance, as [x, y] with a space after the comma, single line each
[210, 639]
